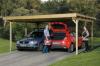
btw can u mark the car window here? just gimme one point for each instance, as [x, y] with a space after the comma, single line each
[36, 34]
[58, 36]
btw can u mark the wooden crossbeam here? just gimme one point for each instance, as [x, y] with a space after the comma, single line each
[49, 17]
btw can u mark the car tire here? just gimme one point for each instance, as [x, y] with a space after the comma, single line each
[71, 48]
[19, 49]
[83, 46]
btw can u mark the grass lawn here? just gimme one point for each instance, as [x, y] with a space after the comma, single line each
[91, 58]
[4, 46]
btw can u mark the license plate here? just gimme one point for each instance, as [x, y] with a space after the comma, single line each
[23, 45]
[56, 42]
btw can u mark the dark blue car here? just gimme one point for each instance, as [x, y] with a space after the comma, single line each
[34, 40]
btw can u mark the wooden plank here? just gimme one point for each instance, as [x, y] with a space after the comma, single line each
[0, 16]
[10, 32]
[39, 17]
[49, 17]
[85, 16]
[76, 22]
[92, 34]
[85, 20]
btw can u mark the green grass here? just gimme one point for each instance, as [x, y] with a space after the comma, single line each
[91, 58]
[4, 45]
[96, 40]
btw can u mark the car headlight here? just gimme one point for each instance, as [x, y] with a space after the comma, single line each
[33, 42]
[17, 42]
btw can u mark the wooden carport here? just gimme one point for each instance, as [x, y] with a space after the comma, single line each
[76, 17]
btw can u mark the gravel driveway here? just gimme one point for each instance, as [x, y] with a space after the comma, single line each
[31, 58]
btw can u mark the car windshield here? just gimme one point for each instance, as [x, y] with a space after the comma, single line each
[58, 36]
[58, 26]
[36, 34]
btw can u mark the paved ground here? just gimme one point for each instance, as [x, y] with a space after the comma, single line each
[31, 58]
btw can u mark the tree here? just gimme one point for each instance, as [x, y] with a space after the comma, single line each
[55, 6]
[17, 8]
[86, 7]
[98, 13]
[20, 11]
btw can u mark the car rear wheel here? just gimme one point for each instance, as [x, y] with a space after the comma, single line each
[83, 46]
[71, 48]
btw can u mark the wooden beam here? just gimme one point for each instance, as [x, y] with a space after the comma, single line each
[85, 20]
[0, 17]
[92, 34]
[37, 17]
[49, 17]
[76, 37]
[76, 29]
[84, 16]
[25, 31]
[10, 32]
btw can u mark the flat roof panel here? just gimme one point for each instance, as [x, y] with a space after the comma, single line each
[49, 17]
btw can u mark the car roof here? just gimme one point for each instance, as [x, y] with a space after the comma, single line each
[38, 30]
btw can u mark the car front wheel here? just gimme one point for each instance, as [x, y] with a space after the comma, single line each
[19, 49]
[71, 48]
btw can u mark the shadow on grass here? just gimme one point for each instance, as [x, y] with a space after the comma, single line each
[96, 46]
[90, 49]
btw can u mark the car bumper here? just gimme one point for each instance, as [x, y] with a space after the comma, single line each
[58, 45]
[26, 46]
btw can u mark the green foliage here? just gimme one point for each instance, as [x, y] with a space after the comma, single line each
[33, 7]
[17, 8]
[20, 11]
[55, 6]
[87, 7]
[98, 14]
[19, 29]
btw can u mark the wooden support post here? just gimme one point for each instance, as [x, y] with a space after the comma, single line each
[25, 31]
[76, 22]
[10, 33]
[92, 35]
[5, 21]
[37, 25]
[85, 23]
[76, 37]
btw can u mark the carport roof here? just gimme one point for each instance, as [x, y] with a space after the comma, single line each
[0, 17]
[49, 17]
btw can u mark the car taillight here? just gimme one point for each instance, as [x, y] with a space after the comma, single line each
[65, 38]
[47, 42]
[63, 42]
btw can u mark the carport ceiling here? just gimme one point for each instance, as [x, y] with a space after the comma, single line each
[0, 18]
[48, 18]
